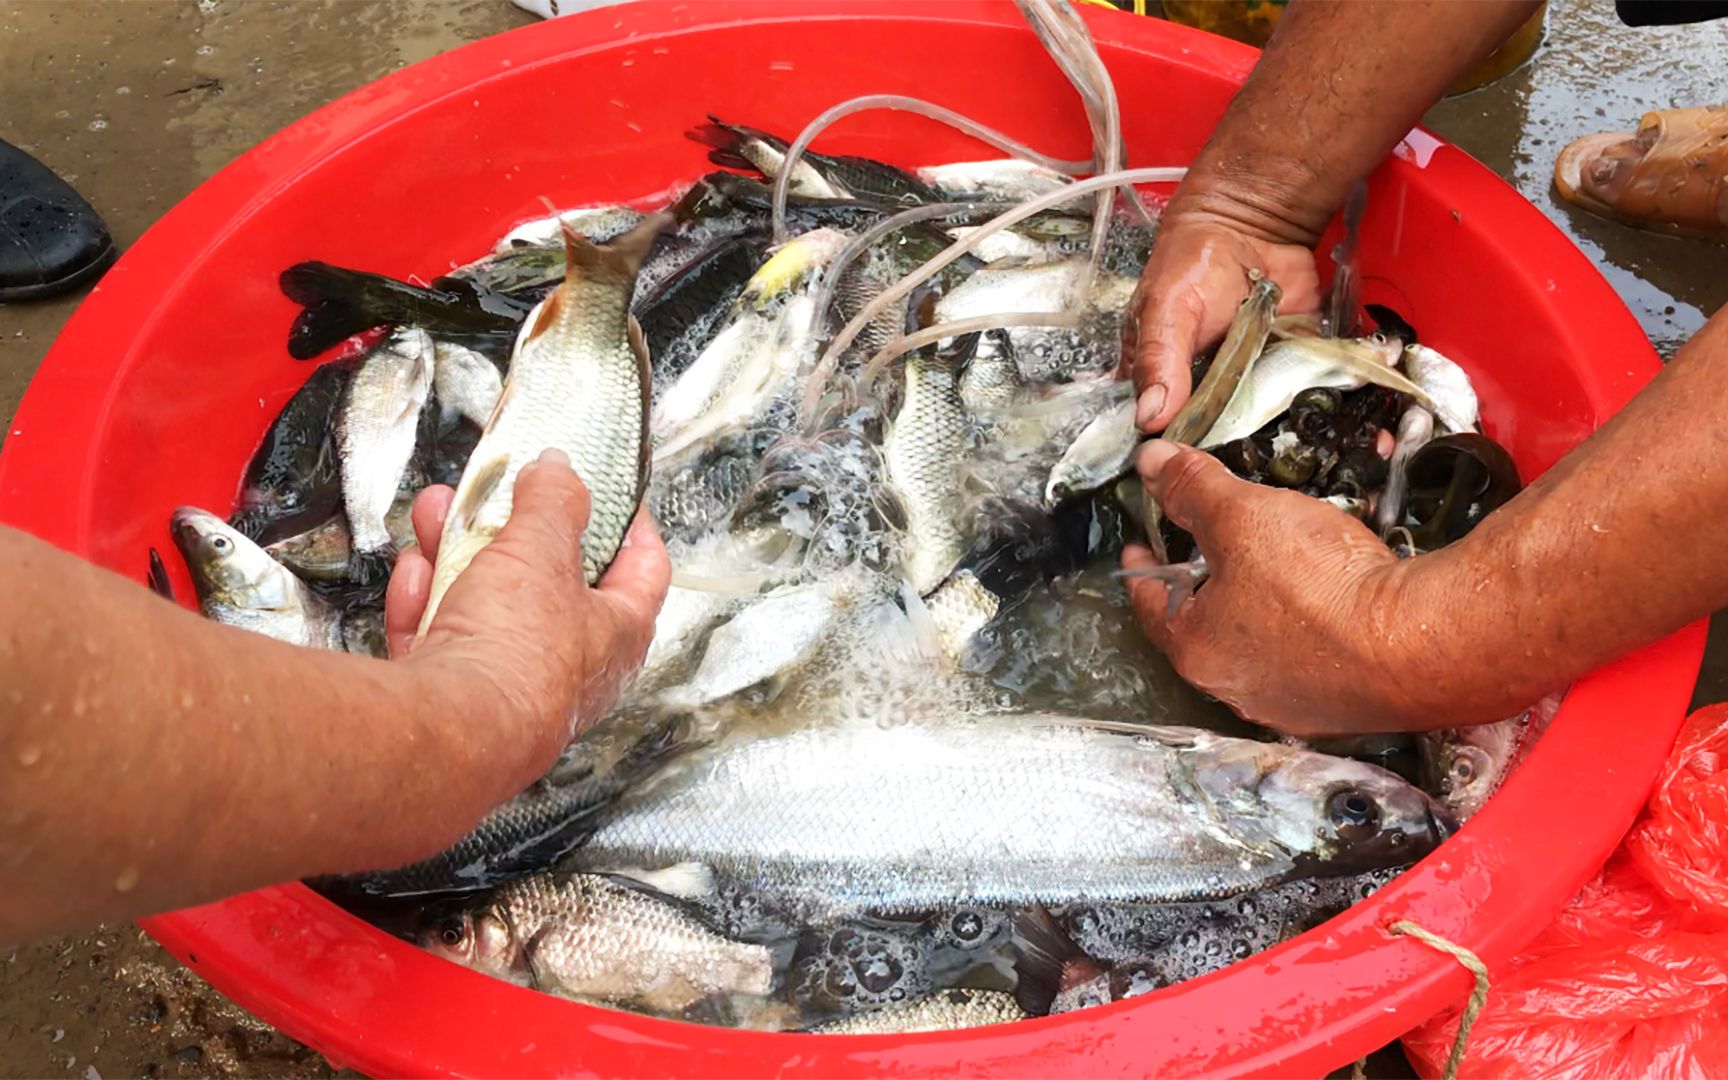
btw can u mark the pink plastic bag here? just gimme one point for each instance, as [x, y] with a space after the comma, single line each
[1631, 980]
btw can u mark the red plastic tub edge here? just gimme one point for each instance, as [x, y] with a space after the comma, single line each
[52, 505]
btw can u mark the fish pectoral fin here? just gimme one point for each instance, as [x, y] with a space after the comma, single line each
[1042, 952]
[685, 880]
[472, 497]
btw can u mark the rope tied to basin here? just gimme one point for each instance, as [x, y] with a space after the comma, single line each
[1478, 997]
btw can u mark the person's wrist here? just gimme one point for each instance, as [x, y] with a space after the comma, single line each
[500, 720]
[1266, 199]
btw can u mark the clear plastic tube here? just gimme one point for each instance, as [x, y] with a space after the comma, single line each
[816, 383]
[902, 103]
[995, 225]
[1067, 320]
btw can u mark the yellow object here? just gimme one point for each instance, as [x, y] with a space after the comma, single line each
[1253, 21]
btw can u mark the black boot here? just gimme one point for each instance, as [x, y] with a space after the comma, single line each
[51, 240]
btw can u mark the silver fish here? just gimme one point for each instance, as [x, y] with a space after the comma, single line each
[578, 382]
[325, 552]
[960, 607]
[764, 641]
[992, 380]
[923, 452]
[1012, 811]
[1099, 454]
[684, 619]
[945, 1010]
[753, 359]
[239, 585]
[1415, 430]
[1288, 367]
[376, 429]
[1453, 394]
[590, 938]
[465, 383]
[596, 224]
[1005, 178]
[1464, 766]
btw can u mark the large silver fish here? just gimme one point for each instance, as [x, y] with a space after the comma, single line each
[923, 452]
[578, 382]
[376, 428]
[590, 938]
[1011, 811]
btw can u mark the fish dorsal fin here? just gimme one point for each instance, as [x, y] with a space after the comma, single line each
[617, 262]
[473, 496]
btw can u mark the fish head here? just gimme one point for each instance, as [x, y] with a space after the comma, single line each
[793, 263]
[1334, 814]
[229, 569]
[475, 939]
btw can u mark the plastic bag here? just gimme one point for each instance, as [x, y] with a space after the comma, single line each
[1631, 980]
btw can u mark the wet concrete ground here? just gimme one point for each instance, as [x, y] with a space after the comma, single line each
[137, 102]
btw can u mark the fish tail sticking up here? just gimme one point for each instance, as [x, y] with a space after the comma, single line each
[1046, 960]
[616, 262]
[158, 577]
[726, 143]
[340, 303]
[1180, 580]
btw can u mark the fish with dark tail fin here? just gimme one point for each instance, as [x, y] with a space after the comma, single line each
[579, 383]
[340, 303]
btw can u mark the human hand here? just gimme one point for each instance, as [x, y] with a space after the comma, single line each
[1304, 622]
[521, 627]
[1190, 289]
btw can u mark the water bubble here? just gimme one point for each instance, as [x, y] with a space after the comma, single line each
[205, 50]
[122, 90]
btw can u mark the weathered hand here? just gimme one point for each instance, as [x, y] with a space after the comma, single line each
[521, 625]
[1300, 625]
[1193, 283]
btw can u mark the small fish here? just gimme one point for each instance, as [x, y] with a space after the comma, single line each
[819, 176]
[465, 383]
[578, 382]
[684, 621]
[325, 553]
[1098, 456]
[992, 381]
[960, 607]
[1415, 430]
[1286, 368]
[340, 303]
[944, 1010]
[593, 939]
[596, 224]
[1446, 384]
[682, 312]
[923, 452]
[375, 436]
[294, 481]
[239, 585]
[764, 642]
[1242, 346]
[1005, 178]
[1463, 767]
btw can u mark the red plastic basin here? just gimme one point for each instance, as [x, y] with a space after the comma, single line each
[167, 377]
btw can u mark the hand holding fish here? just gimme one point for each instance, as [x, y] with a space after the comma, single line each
[1193, 284]
[1294, 627]
[522, 625]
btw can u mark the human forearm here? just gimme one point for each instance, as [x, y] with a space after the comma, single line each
[1340, 83]
[1611, 549]
[154, 759]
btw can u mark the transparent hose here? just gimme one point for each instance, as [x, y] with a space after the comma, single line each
[902, 103]
[1067, 320]
[995, 225]
[816, 383]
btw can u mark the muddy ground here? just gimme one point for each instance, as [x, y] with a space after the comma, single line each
[138, 101]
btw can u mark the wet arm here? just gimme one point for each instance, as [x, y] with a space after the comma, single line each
[1617, 545]
[1338, 86]
[153, 759]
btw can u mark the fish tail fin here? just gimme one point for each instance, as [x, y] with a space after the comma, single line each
[370, 570]
[618, 261]
[340, 303]
[158, 577]
[726, 142]
[1180, 580]
[1044, 957]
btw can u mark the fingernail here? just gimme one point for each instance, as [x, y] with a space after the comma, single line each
[1151, 404]
[1153, 455]
[553, 456]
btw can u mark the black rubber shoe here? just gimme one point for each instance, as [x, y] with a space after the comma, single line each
[51, 240]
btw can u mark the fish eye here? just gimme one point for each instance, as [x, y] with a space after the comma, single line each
[452, 933]
[1463, 771]
[220, 545]
[1354, 814]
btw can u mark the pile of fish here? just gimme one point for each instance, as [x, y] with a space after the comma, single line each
[897, 759]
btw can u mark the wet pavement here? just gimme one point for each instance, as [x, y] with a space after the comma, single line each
[137, 103]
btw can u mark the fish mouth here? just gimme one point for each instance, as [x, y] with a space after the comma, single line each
[1441, 825]
[188, 523]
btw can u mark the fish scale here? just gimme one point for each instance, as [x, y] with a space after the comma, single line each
[923, 451]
